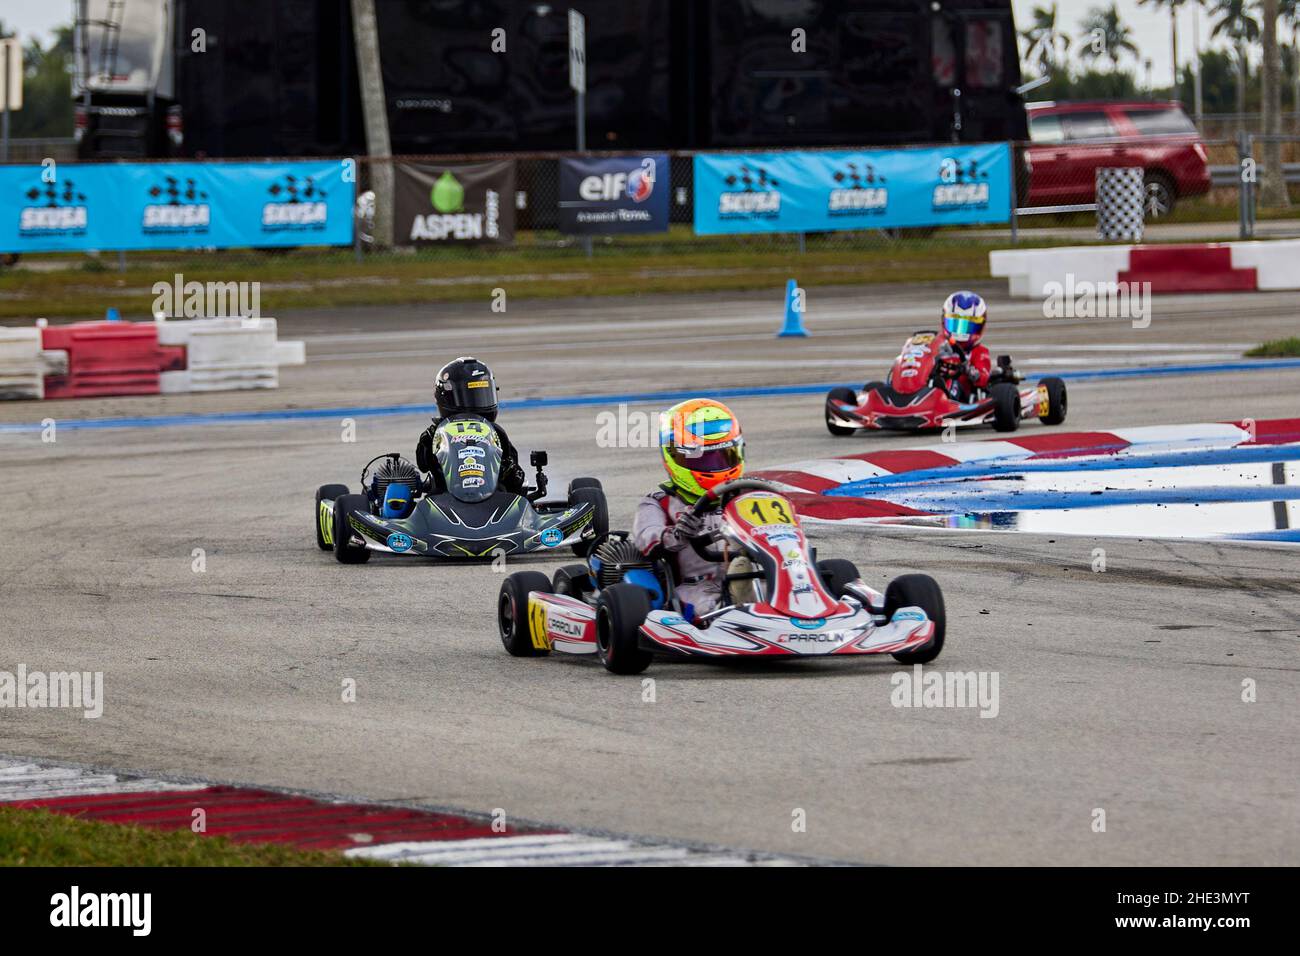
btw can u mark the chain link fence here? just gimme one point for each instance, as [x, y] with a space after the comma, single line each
[1195, 191]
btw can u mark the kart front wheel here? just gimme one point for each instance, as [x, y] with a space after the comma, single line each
[836, 573]
[599, 525]
[577, 483]
[1056, 401]
[918, 590]
[572, 580]
[344, 551]
[325, 519]
[515, 623]
[620, 611]
[1006, 407]
[842, 394]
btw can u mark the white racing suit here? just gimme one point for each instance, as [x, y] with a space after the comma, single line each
[699, 586]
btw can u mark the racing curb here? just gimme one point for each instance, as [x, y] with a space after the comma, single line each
[405, 831]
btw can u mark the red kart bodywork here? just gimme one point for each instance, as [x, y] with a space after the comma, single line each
[912, 399]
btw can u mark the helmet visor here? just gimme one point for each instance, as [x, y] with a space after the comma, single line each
[962, 325]
[475, 395]
[709, 458]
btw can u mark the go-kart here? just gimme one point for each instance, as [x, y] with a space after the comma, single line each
[622, 606]
[459, 512]
[919, 394]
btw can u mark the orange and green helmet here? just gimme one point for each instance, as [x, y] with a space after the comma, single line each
[702, 446]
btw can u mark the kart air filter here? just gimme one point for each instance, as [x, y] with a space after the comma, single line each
[391, 470]
[616, 556]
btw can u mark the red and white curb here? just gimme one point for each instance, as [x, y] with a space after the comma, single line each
[377, 831]
[808, 481]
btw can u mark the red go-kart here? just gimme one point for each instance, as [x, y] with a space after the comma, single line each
[918, 394]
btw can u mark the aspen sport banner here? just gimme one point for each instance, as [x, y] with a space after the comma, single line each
[869, 189]
[437, 204]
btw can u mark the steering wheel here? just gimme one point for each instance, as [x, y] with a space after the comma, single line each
[713, 500]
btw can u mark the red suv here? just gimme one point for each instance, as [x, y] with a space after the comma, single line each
[1069, 141]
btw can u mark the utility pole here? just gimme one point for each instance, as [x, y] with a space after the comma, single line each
[374, 109]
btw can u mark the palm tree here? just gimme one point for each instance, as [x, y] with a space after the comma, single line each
[1236, 24]
[1046, 44]
[1173, 6]
[1273, 184]
[1105, 34]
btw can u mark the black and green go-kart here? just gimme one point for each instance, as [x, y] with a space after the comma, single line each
[471, 518]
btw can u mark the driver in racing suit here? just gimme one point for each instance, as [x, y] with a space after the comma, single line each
[466, 386]
[965, 363]
[702, 447]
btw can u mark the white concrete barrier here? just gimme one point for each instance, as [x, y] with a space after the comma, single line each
[227, 354]
[1276, 262]
[1029, 271]
[22, 368]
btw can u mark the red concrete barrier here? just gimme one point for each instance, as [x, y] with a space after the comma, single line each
[109, 358]
[1199, 268]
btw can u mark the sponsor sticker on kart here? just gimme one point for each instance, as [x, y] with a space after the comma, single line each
[551, 537]
[399, 542]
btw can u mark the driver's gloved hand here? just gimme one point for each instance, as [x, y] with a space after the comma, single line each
[688, 525]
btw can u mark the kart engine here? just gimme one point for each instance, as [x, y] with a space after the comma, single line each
[389, 471]
[617, 556]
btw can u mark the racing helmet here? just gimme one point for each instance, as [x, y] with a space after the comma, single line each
[702, 446]
[964, 315]
[466, 385]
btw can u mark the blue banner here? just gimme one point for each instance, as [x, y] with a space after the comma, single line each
[867, 189]
[113, 206]
[618, 194]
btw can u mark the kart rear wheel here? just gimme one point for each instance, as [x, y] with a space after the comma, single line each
[620, 611]
[344, 551]
[599, 525]
[1006, 407]
[572, 580]
[326, 493]
[1056, 401]
[841, 394]
[836, 573]
[514, 623]
[918, 590]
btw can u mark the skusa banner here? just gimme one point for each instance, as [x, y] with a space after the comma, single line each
[870, 189]
[109, 206]
[620, 195]
[468, 202]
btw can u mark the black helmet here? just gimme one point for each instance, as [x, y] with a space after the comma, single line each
[466, 385]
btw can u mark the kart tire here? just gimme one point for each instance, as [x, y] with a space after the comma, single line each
[620, 611]
[572, 580]
[918, 590]
[836, 573]
[512, 612]
[345, 552]
[600, 516]
[871, 387]
[577, 483]
[1056, 401]
[331, 492]
[841, 394]
[1006, 407]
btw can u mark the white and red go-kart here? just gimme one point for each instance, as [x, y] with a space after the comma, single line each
[621, 605]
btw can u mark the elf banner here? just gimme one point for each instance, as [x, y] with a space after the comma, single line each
[455, 203]
[620, 194]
